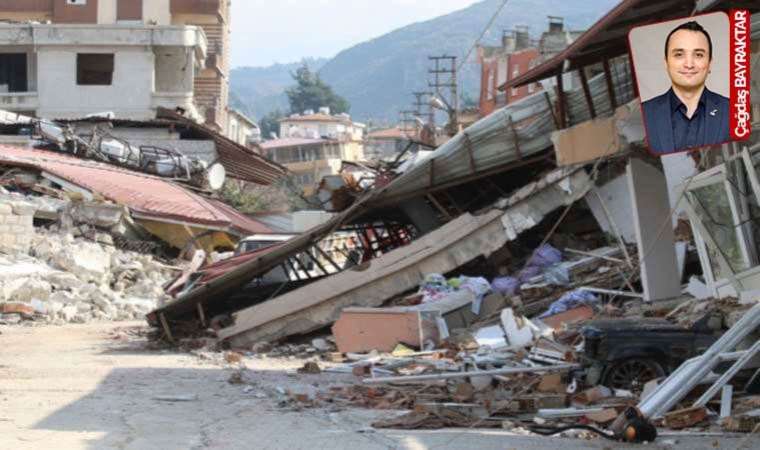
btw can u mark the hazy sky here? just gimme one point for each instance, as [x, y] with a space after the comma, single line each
[268, 31]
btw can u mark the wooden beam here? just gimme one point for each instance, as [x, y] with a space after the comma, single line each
[432, 171]
[561, 103]
[633, 76]
[166, 328]
[201, 315]
[587, 92]
[610, 85]
[453, 202]
[551, 108]
[438, 206]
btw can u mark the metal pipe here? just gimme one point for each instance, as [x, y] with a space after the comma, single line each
[447, 376]
[690, 373]
[727, 375]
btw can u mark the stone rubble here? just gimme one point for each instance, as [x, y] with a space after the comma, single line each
[68, 279]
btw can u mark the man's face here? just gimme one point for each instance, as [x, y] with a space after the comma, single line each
[688, 59]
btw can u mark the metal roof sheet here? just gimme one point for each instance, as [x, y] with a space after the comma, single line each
[148, 196]
[239, 161]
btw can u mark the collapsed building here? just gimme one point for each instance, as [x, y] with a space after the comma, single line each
[490, 256]
[99, 214]
[566, 167]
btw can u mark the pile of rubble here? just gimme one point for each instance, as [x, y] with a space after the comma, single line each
[60, 274]
[463, 352]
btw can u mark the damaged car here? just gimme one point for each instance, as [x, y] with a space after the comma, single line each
[628, 353]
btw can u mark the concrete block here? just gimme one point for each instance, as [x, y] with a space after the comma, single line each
[11, 219]
[68, 312]
[23, 208]
[6, 209]
[86, 260]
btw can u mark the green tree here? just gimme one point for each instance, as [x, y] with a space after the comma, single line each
[270, 123]
[310, 92]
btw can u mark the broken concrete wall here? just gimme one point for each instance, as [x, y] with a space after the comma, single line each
[617, 202]
[599, 137]
[16, 225]
[319, 304]
[64, 278]
[441, 251]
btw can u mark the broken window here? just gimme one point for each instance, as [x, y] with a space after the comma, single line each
[722, 204]
[13, 75]
[715, 212]
[95, 69]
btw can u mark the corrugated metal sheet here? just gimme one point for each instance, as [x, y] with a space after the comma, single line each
[240, 162]
[484, 146]
[147, 196]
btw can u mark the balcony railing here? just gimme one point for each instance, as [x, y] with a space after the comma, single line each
[19, 101]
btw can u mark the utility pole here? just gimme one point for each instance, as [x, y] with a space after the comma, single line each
[423, 109]
[444, 83]
[408, 121]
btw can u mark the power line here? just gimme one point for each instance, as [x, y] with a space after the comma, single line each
[483, 33]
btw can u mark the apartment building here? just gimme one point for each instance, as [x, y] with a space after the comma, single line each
[516, 55]
[242, 129]
[68, 58]
[326, 126]
[308, 159]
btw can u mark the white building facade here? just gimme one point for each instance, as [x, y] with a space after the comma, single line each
[72, 70]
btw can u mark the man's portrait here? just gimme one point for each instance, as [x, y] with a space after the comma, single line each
[682, 70]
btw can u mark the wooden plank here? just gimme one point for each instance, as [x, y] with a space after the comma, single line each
[432, 172]
[610, 85]
[587, 92]
[561, 102]
[551, 109]
[438, 206]
[165, 326]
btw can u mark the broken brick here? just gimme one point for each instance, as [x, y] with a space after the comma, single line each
[684, 418]
[552, 383]
[16, 308]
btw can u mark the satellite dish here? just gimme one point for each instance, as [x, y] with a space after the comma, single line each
[215, 176]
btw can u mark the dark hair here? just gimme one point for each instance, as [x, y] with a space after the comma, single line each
[690, 26]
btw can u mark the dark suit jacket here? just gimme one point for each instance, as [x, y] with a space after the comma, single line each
[659, 127]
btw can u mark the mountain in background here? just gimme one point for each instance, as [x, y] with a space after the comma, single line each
[378, 76]
[255, 91]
